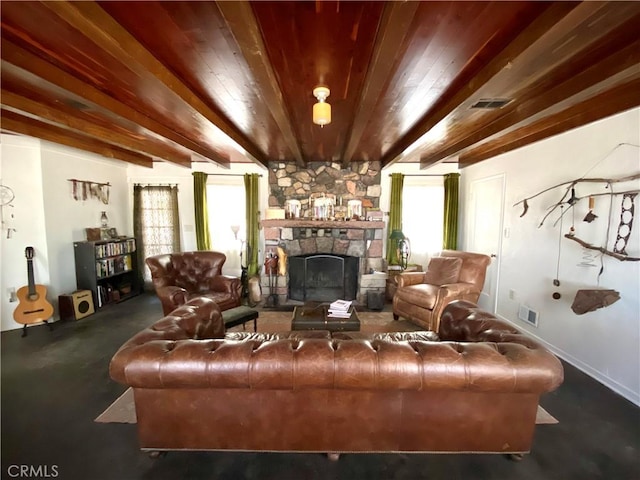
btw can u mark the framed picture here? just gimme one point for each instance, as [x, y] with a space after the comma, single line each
[93, 234]
[112, 232]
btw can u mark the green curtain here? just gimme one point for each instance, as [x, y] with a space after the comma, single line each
[395, 215]
[203, 238]
[253, 217]
[450, 230]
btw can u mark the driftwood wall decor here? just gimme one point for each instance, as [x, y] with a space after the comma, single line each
[85, 189]
[591, 300]
[573, 200]
[588, 300]
[569, 199]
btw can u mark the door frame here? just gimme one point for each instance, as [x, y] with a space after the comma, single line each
[497, 260]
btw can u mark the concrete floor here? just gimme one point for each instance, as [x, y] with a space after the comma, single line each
[54, 383]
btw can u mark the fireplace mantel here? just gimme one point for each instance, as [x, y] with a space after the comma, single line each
[343, 225]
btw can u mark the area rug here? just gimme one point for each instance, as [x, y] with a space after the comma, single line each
[123, 410]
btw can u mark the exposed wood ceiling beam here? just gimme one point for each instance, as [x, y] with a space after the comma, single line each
[29, 62]
[16, 123]
[618, 99]
[598, 64]
[90, 19]
[196, 81]
[487, 68]
[394, 25]
[64, 116]
[95, 23]
[242, 23]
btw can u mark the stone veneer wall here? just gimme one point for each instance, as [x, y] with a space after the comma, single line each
[360, 180]
[289, 181]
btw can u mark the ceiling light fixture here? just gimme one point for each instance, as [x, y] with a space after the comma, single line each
[321, 110]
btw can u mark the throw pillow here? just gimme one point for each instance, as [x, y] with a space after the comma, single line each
[443, 270]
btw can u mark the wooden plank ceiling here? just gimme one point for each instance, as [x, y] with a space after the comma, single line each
[227, 82]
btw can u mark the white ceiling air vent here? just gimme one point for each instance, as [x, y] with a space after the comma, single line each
[491, 103]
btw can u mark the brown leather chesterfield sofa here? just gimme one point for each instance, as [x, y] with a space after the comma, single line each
[452, 275]
[476, 389]
[179, 277]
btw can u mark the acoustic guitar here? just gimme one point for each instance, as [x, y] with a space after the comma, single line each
[33, 306]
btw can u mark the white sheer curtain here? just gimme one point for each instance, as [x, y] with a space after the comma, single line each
[422, 216]
[156, 223]
[226, 206]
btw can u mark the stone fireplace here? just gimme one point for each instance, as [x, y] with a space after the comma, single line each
[304, 237]
[361, 240]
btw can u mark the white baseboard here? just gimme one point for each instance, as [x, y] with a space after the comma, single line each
[621, 390]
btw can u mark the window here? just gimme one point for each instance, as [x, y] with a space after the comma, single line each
[156, 222]
[226, 207]
[422, 216]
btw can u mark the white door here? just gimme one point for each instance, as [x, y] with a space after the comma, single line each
[485, 235]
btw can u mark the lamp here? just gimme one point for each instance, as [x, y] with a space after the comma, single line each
[404, 252]
[321, 110]
[396, 237]
[235, 229]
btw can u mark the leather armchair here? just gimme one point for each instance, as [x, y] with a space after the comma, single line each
[453, 275]
[180, 277]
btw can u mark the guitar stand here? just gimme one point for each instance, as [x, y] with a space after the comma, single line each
[24, 328]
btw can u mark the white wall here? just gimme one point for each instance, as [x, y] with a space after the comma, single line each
[22, 172]
[67, 218]
[48, 218]
[604, 343]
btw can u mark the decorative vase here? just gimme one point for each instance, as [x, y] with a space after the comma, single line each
[104, 220]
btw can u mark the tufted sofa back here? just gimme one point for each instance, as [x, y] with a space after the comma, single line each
[192, 271]
[199, 318]
[486, 356]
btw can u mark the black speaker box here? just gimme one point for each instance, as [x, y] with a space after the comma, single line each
[76, 305]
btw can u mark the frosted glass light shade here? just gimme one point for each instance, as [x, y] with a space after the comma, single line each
[321, 113]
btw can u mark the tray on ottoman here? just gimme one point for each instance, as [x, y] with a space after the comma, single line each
[316, 317]
[239, 316]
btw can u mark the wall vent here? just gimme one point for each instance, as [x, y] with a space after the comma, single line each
[491, 103]
[527, 315]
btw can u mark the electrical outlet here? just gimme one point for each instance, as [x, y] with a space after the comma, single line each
[512, 294]
[12, 294]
